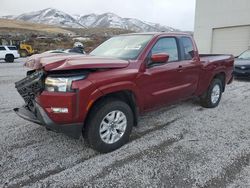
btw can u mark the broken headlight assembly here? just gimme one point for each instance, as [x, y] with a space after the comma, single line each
[61, 84]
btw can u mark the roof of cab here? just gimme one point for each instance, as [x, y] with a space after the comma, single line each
[160, 33]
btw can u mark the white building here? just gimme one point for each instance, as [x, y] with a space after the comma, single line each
[222, 26]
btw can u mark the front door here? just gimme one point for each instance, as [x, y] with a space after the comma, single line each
[175, 80]
[161, 84]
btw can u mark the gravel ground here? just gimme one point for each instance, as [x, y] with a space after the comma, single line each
[183, 145]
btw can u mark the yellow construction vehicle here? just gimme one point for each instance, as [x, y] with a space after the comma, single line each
[24, 49]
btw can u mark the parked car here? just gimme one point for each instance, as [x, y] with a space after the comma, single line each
[64, 51]
[58, 51]
[242, 65]
[102, 94]
[78, 48]
[9, 53]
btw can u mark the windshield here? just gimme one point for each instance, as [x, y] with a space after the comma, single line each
[245, 55]
[122, 47]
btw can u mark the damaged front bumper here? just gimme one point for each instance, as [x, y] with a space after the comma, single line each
[40, 117]
[30, 88]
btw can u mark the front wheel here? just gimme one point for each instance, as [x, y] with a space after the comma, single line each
[9, 58]
[109, 125]
[23, 53]
[212, 97]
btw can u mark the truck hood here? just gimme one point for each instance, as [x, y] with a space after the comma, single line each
[242, 62]
[54, 62]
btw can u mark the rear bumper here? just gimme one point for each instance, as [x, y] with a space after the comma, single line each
[40, 117]
[17, 56]
[230, 80]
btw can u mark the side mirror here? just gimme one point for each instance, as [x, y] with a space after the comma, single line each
[159, 58]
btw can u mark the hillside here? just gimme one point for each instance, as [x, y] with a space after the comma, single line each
[46, 37]
[12, 26]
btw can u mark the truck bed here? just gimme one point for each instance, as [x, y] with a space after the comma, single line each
[214, 57]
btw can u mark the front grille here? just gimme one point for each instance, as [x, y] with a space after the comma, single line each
[30, 86]
[242, 67]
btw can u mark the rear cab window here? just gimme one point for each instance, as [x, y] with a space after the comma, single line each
[188, 48]
[167, 45]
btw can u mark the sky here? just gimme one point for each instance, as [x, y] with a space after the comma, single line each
[178, 14]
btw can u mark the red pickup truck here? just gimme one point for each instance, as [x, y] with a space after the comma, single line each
[101, 95]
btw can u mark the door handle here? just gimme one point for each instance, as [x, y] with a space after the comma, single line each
[180, 68]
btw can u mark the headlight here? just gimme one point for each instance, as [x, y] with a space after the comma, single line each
[60, 84]
[243, 67]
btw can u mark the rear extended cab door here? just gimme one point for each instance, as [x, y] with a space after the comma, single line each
[177, 79]
[189, 66]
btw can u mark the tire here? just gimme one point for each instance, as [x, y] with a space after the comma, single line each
[212, 97]
[23, 53]
[98, 125]
[9, 58]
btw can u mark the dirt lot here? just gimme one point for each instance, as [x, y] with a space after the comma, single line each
[183, 145]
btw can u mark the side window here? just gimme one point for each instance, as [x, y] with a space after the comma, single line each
[12, 48]
[166, 45]
[188, 48]
[2, 48]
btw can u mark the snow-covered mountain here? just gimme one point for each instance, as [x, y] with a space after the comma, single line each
[49, 16]
[108, 20]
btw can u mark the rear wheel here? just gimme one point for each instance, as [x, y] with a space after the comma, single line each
[109, 125]
[212, 97]
[9, 58]
[23, 53]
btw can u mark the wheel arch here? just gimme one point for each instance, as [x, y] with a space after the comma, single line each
[221, 76]
[8, 55]
[126, 95]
